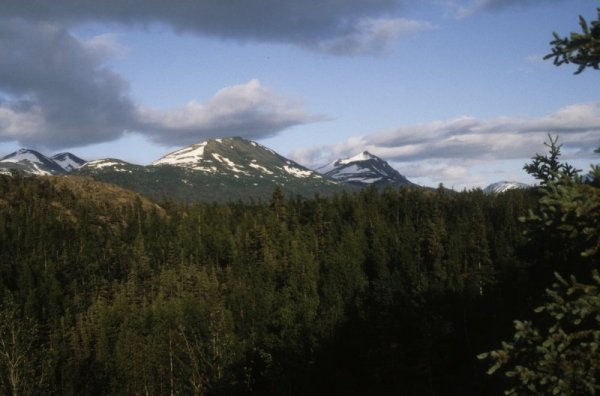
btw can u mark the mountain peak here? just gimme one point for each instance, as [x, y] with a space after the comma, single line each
[68, 161]
[236, 157]
[364, 169]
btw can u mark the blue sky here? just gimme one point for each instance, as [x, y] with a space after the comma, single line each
[447, 91]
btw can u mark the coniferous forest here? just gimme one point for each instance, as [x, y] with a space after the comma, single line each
[367, 293]
[377, 292]
[405, 291]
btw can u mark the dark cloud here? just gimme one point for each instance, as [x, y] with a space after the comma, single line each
[306, 22]
[56, 91]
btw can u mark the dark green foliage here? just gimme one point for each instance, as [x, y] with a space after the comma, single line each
[376, 292]
[582, 49]
[557, 353]
[562, 358]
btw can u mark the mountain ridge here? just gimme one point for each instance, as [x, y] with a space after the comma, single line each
[226, 169]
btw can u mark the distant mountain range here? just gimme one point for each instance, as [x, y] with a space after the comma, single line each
[32, 162]
[215, 170]
[223, 170]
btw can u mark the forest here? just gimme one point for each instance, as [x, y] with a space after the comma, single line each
[375, 292]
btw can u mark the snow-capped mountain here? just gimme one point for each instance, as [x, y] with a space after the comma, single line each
[69, 162]
[237, 157]
[31, 162]
[503, 186]
[364, 169]
[214, 170]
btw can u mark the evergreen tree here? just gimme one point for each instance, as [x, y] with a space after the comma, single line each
[558, 355]
[582, 49]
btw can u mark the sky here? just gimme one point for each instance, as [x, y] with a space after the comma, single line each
[447, 91]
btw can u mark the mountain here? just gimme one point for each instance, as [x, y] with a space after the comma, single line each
[364, 169]
[214, 170]
[31, 162]
[503, 186]
[239, 157]
[69, 162]
[109, 165]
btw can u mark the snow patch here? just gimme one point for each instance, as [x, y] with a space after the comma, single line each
[186, 157]
[230, 164]
[364, 156]
[352, 169]
[67, 164]
[101, 163]
[367, 180]
[297, 172]
[260, 168]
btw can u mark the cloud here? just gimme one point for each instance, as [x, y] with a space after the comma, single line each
[338, 26]
[57, 92]
[470, 139]
[453, 174]
[475, 6]
[370, 36]
[250, 110]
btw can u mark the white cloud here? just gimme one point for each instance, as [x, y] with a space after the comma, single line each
[370, 36]
[450, 149]
[249, 110]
